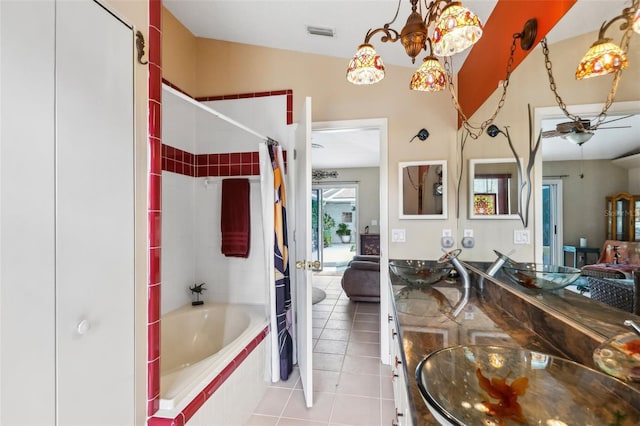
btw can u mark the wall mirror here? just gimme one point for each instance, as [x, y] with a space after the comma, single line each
[494, 188]
[423, 189]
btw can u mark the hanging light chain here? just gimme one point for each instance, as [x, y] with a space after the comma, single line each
[476, 131]
[610, 97]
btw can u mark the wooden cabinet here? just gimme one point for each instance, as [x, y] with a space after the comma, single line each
[623, 217]
[370, 244]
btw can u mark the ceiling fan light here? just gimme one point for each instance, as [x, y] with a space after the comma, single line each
[429, 77]
[456, 29]
[578, 137]
[366, 66]
[604, 57]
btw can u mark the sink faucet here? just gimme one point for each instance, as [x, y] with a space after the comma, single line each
[452, 257]
[494, 268]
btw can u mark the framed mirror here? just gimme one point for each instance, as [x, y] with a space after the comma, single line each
[494, 188]
[423, 189]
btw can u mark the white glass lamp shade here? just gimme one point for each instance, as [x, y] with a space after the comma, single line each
[429, 77]
[456, 29]
[604, 57]
[366, 66]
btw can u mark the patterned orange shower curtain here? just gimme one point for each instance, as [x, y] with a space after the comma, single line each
[281, 258]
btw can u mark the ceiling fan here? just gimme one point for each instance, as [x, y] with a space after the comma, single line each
[581, 130]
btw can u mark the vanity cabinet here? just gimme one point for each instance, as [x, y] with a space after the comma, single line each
[623, 217]
[403, 412]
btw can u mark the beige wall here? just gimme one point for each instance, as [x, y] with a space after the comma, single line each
[227, 68]
[368, 179]
[529, 85]
[583, 204]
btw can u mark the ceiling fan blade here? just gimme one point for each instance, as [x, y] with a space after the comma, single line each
[616, 119]
[550, 134]
[613, 127]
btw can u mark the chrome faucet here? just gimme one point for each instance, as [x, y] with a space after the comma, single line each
[452, 257]
[494, 268]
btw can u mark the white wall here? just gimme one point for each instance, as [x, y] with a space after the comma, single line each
[634, 181]
[191, 235]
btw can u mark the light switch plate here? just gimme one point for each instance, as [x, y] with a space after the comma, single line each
[398, 236]
[447, 233]
[521, 236]
[468, 233]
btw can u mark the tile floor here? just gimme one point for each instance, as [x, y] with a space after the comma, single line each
[350, 384]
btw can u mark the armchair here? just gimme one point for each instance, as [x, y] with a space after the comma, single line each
[361, 279]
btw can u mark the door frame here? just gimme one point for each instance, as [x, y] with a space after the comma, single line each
[555, 200]
[382, 125]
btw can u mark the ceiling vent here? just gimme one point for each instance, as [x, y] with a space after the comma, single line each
[320, 31]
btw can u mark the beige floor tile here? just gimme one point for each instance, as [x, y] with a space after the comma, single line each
[365, 326]
[363, 349]
[367, 317]
[368, 308]
[319, 307]
[258, 420]
[321, 410]
[327, 362]
[359, 385]
[361, 365]
[325, 381]
[338, 324]
[332, 334]
[342, 316]
[321, 314]
[316, 332]
[319, 322]
[291, 382]
[365, 336]
[299, 422]
[356, 410]
[273, 402]
[344, 308]
[331, 346]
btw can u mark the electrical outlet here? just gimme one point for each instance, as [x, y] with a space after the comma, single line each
[521, 236]
[468, 242]
[374, 222]
[398, 236]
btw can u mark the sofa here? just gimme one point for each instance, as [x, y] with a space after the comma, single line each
[618, 260]
[361, 279]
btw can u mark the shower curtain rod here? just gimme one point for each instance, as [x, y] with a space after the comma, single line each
[217, 114]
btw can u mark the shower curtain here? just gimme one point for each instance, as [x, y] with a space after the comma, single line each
[281, 316]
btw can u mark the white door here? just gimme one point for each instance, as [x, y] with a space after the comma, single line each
[94, 219]
[302, 239]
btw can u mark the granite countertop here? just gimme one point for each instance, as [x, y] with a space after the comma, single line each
[426, 324]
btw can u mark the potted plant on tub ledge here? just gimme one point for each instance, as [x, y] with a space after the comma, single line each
[344, 232]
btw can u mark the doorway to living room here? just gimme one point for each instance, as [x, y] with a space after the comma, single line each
[334, 224]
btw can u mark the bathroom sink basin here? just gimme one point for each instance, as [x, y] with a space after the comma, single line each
[419, 273]
[496, 385]
[541, 277]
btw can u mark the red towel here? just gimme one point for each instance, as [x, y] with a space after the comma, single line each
[235, 218]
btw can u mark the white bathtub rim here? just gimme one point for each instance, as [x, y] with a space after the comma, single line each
[187, 390]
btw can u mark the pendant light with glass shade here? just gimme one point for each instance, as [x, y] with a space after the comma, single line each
[455, 29]
[603, 57]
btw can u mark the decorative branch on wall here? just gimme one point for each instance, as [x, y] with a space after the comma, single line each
[524, 198]
[463, 141]
[323, 174]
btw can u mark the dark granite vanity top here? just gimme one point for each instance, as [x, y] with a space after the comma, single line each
[561, 323]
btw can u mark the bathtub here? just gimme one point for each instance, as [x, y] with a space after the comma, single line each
[201, 345]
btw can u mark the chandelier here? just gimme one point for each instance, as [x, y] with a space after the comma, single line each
[454, 28]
